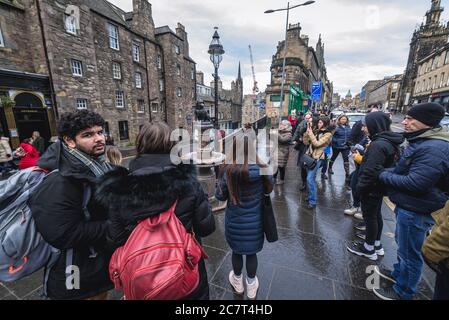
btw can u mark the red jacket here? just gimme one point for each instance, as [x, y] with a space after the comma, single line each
[30, 158]
[293, 120]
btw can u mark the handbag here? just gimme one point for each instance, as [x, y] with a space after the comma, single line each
[307, 162]
[269, 220]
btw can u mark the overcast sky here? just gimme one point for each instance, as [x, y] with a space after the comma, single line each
[364, 40]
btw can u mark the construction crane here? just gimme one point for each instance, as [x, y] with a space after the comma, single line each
[255, 88]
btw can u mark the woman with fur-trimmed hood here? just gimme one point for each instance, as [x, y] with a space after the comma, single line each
[151, 186]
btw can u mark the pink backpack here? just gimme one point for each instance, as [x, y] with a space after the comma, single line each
[159, 261]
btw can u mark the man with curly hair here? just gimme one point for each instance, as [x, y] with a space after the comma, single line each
[65, 214]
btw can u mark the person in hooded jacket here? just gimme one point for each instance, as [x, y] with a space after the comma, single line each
[419, 186]
[57, 207]
[381, 153]
[298, 137]
[151, 186]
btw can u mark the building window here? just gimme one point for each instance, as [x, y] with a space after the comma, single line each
[162, 107]
[446, 58]
[177, 49]
[442, 80]
[178, 69]
[393, 96]
[2, 43]
[116, 70]
[119, 99]
[192, 74]
[435, 79]
[159, 62]
[154, 107]
[417, 87]
[70, 23]
[106, 128]
[136, 53]
[113, 36]
[429, 85]
[179, 92]
[123, 130]
[77, 68]
[141, 106]
[161, 85]
[81, 103]
[138, 80]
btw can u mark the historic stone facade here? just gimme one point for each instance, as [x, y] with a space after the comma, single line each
[366, 91]
[304, 65]
[432, 83]
[107, 60]
[24, 77]
[428, 37]
[230, 102]
[385, 95]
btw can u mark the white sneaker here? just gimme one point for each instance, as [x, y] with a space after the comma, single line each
[358, 216]
[236, 283]
[352, 211]
[251, 289]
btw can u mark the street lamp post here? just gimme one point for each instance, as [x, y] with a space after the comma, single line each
[216, 56]
[285, 47]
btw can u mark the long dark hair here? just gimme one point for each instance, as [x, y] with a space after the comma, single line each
[237, 175]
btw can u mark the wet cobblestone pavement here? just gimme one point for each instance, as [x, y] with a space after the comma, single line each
[310, 260]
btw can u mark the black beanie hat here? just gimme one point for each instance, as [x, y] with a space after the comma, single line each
[430, 114]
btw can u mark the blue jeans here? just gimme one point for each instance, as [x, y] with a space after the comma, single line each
[411, 229]
[311, 183]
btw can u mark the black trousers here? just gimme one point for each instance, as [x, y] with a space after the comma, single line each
[344, 153]
[281, 171]
[251, 264]
[442, 286]
[372, 215]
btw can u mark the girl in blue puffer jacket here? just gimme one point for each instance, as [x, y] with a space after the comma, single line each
[243, 185]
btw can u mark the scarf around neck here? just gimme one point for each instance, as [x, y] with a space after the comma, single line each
[98, 166]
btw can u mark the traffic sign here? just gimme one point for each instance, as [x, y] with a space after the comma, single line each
[316, 91]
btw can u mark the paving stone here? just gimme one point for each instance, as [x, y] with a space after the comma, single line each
[293, 285]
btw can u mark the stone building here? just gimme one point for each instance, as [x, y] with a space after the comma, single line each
[428, 37]
[386, 94]
[230, 102]
[366, 90]
[253, 108]
[96, 56]
[432, 82]
[336, 98]
[304, 65]
[348, 101]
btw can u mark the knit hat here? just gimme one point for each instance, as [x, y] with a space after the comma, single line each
[430, 114]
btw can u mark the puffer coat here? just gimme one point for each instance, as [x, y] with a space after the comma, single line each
[285, 137]
[243, 221]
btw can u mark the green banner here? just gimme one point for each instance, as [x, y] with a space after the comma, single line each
[296, 100]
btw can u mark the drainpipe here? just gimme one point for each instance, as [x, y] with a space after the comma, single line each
[148, 78]
[52, 89]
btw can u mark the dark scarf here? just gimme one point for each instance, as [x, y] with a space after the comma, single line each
[410, 136]
[98, 165]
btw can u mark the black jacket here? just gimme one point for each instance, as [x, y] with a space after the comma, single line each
[382, 153]
[57, 209]
[39, 144]
[150, 187]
